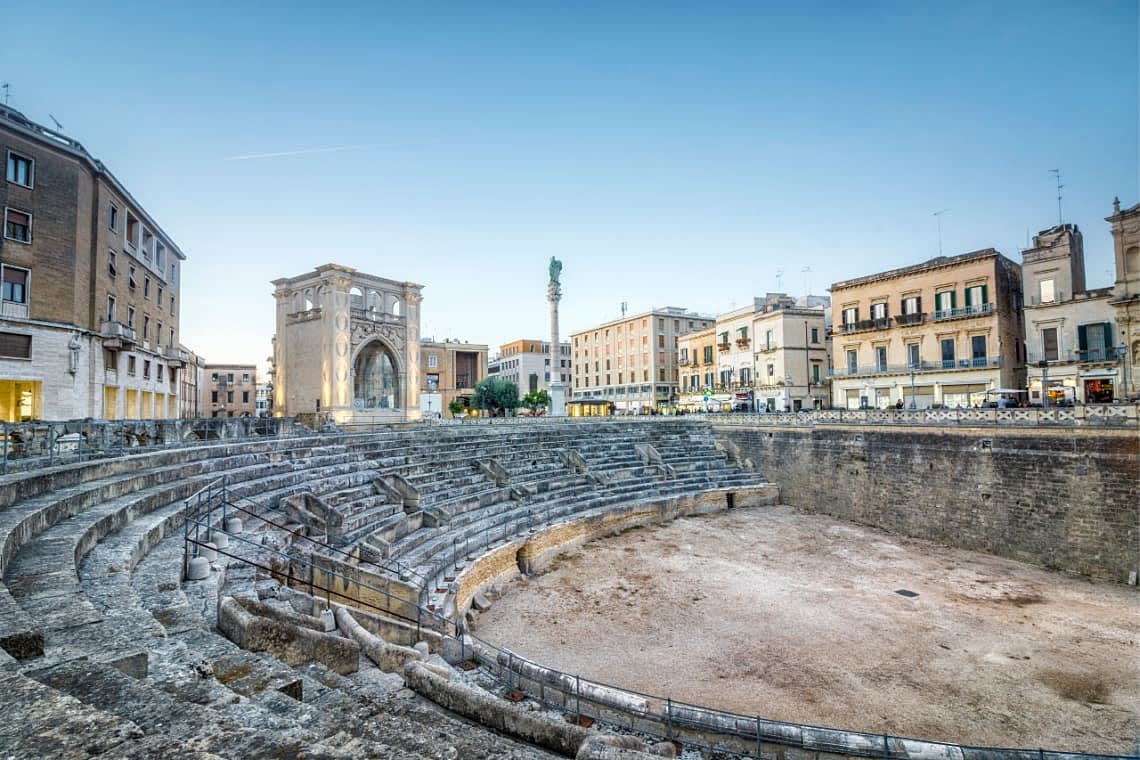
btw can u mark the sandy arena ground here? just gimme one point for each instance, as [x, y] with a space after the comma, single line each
[795, 617]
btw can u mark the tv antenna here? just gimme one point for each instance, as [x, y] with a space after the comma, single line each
[779, 279]
[938, 215]
[55, 121]
[1057, 173]
[624, 308]
[806, 271]
[6, 88]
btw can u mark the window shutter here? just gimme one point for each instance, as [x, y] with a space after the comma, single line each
[953, 299]
[1107, 336]
[969, 297]
[985, 295]
[15, 345]
[1083, 337]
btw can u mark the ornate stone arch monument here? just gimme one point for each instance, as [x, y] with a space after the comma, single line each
[347, 345]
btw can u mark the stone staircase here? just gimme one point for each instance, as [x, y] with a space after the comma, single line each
[104, 648]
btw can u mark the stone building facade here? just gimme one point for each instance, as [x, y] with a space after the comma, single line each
[632, 362]
[526, 363]
[769, 356]
[939, 333]
[1126, 291]
[347, 346]
[229, 390]
[89, 319]
[1070, 331]
[449, 370]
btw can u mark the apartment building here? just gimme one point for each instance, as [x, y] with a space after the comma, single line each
[1069, 330]
[526, 363]
[769, 356]
[939, 333]
[191, 378]
[450, 370]
[89, 319]
[1126, 291]
[632, 362]
[229, 390]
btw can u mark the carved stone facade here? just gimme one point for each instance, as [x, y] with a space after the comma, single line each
[347, 344]
[1126, 293]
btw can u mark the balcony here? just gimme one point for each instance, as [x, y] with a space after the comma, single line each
[14, 310]
[980, 310]
[117, 336]
[1109, 354]
[882, 323]
[742, 342]
[920, 368]
[173, 357]
[724, 346]
[906, 320]
[682, 362]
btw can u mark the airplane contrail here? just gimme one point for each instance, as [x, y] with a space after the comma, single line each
[303, 151]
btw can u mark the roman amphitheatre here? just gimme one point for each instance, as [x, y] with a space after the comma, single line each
[594, 588]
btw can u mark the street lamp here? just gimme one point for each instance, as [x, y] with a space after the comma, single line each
[1122, 354]
[787, 393]
[912, 402]
[1044, 383]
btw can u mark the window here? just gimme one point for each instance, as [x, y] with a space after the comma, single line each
[131, 276]
[947, 352]
[852, 362]
[17, 225]
[815, 372]
[977, 297]
[245, 397]
[214, 377]
[110, 308]
[245, 377]
[945, 301]
[1094, 342]
[1048, 294]
[159, 296]
[172, 306]
[159, 257]
[15, 284]
[146, 328]
[229, 397]
[113, 217]
[146, 369]
[170, 338]
[912, 356]
[20, 169]
[213, 397]
[769, 339]
[158, 335]
[158, 372]
[661, 341]
[131, 317]
[708, 353]
[745, 375]
[771, 370]
[815, 335]
[230, 377]
[131, 362]
[878, 311]
[112, 267]
[850, 315]
[1049, 343]
[132, 231]
[146, 287]
[15, 345]
[881, 358]
[978, 350]
[912, 305]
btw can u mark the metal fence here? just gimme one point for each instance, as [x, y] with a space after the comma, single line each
[27, 445]
[656, 717]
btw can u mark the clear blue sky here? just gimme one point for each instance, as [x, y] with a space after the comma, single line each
[669, 154]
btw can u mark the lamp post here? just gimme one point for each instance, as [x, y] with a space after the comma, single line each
[787, 393]
[1122, 354]
[913, 405]
[1044, 383]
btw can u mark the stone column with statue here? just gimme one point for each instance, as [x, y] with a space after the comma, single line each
[557, 390]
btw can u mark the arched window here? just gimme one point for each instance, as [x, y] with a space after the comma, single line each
[356, 299]
[374, 302]
[396, 306]
[375, 383]
[308, 299]
[1132, 261]
[296, 301]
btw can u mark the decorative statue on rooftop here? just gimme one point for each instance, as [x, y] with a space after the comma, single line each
[555, 270]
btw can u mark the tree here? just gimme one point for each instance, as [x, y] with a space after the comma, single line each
[536, 400]
[496, 395]
[456, 407]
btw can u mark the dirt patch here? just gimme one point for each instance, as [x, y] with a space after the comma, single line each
[797, 617]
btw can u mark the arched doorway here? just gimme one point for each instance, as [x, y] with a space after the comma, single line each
[375, 380]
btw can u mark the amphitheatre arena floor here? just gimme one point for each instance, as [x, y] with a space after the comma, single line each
[795, 617]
